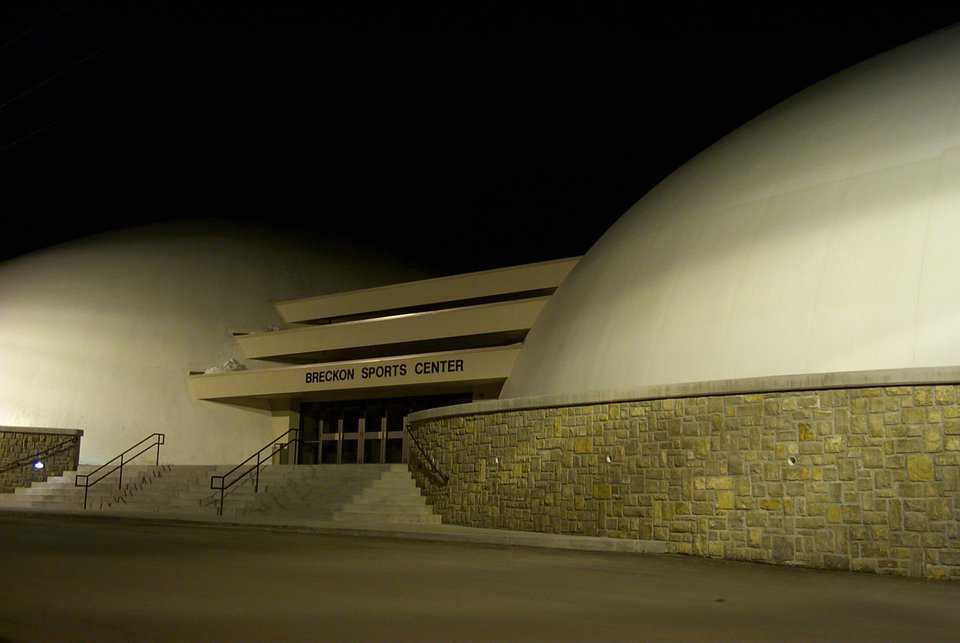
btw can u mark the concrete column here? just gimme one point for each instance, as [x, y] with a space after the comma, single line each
[284, 415]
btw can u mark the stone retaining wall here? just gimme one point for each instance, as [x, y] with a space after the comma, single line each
[863, 479]
[25, 442]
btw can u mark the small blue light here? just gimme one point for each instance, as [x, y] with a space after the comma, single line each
[38, 465]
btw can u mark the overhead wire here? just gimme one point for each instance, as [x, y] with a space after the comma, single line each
[42, 83]
[48, 80]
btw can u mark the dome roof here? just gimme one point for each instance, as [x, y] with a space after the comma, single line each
[100, 333]
[822, 236]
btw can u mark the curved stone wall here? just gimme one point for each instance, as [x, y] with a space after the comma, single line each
[864, 479]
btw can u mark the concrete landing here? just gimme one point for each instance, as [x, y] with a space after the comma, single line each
[431, 532]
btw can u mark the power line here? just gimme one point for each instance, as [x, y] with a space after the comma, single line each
[6, 147]
[48, 80]
[23, 33]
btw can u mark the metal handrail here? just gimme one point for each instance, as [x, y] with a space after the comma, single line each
[426, 456]
[274, 449]
[161, 438]
[24, 461]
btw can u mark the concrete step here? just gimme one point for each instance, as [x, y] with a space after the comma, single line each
[164, 506]
[373, 494]
[381, 509]
[387, 518]
[325, 471]
[389, 498]
[387, 492]
[44, 490]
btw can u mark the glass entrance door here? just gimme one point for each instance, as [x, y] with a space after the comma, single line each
[329, 421]
[360, 431]
[351, 435]
[372, 436]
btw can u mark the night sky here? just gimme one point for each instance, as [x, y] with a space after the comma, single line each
[458, 136]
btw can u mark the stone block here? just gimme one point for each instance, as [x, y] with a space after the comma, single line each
[811, 448]
[796, 473]
[872, 458]
[725, 499]
[683, 526]
[703, 508]
[852, 513]
[946, 395]
[833, 444]
[939, 509]
[771, 504]
[794, 489]
[920, 468]
[834, 561]
[913, 521]
[932, 439]
[782, 548]
[719, 482]
[915, 415]
[583, 445]
[934, 540]
[908, 445]
[950, 557]
[923, 396]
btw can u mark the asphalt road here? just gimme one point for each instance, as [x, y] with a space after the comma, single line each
[104, 580]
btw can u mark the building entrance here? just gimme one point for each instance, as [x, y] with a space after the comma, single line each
[360, 431]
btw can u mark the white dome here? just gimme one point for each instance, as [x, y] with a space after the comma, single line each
[100, 333]
[822, 236]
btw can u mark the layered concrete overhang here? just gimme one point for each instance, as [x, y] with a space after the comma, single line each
[474, 326]
[457, 335]
[419, 374]
[528, 280]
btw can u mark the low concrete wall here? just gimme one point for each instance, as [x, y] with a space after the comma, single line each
[864, 479]
[25, 442]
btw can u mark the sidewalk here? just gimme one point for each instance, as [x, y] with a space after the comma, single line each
[446, 533]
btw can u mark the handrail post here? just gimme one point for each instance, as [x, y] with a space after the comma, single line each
[274, 449]
[158, 450]
[86, 489]
[120, 484]
[256, 486]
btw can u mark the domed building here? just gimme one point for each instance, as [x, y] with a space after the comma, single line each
[819, 237]
[759, 360]
[99, 334]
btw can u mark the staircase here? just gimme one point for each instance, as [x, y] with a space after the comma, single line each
[367, 494]
[356, 493]
[59, 492]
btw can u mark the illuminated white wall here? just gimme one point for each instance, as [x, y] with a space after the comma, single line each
[822, 236]
[100, 333]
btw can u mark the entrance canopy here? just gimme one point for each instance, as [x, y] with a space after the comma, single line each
[453, 337]
[474, 371]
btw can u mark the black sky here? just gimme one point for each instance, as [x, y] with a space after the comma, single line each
[458, 136]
